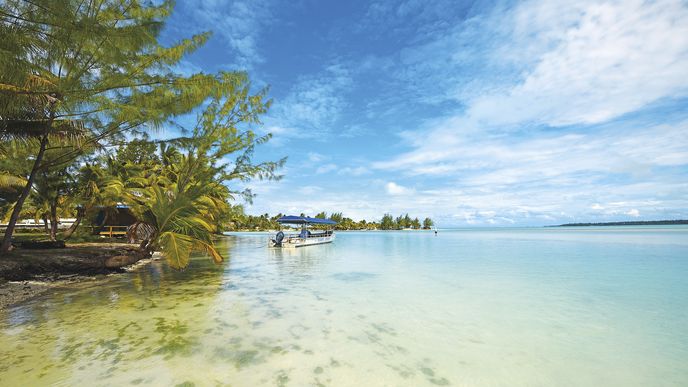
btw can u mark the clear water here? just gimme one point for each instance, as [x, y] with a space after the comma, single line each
[517, 307]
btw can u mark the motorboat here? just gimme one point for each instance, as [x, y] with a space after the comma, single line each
[306, 237]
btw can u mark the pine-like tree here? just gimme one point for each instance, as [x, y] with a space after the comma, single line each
[92, 70]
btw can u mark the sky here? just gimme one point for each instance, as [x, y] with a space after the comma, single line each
[472, 113]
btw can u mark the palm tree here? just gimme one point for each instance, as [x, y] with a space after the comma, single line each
[177, 211]
[9, 181]
[93, 188]
[96, 65]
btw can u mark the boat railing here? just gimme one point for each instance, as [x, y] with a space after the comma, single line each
[320, 234]
[327, 233]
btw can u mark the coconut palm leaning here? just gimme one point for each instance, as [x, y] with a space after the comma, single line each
[181, 201]
[177, 210]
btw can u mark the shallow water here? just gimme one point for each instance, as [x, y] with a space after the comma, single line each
[482, 307]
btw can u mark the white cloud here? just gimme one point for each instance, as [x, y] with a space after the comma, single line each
[316, 157]
[541, 178]
[325, 168]
[509, 160]
[393, 188]
[238, 23]
[616, 58]
[583, 64]
[354, 171]
[310, 190]
[486, 205]
[552, 62]
[186, 68]
[535, 88]
[313, 105]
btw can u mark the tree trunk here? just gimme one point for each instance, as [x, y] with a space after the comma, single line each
[45, 225]
[53, 220]
[98, 229]
[79, 215]
[7, 239]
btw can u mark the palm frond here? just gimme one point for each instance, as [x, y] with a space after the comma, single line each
[176, 248]
[8, 181]
[212, 251]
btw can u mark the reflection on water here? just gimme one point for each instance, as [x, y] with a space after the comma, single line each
[473, 307]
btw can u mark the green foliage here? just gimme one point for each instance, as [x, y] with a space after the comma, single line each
[387, 222]
[96, 64]
[93, 71]
[139, 151]
[238, 220]
[179, 219]
[84, 234]
[183, 193]
[179, 207]
[15, 165]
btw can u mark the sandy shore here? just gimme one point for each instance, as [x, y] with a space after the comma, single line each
[25, 274]
[13, 292]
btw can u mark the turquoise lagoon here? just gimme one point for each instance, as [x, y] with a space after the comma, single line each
[477, 307]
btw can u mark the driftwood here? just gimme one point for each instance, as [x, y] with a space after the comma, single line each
[122, 260]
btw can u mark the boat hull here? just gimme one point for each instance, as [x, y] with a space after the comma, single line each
[301, 242]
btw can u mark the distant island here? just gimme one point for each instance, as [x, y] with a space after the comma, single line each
[238, 220]
[627, 223]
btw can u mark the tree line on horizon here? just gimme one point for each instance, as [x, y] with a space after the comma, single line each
[237, 220]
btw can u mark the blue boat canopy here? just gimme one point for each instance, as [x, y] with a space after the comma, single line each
[291, 219]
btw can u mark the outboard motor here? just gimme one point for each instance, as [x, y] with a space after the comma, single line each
[278, 239]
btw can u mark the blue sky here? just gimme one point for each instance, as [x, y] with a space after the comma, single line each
[475, 114]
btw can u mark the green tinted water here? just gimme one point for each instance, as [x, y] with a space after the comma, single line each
[518, 307]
